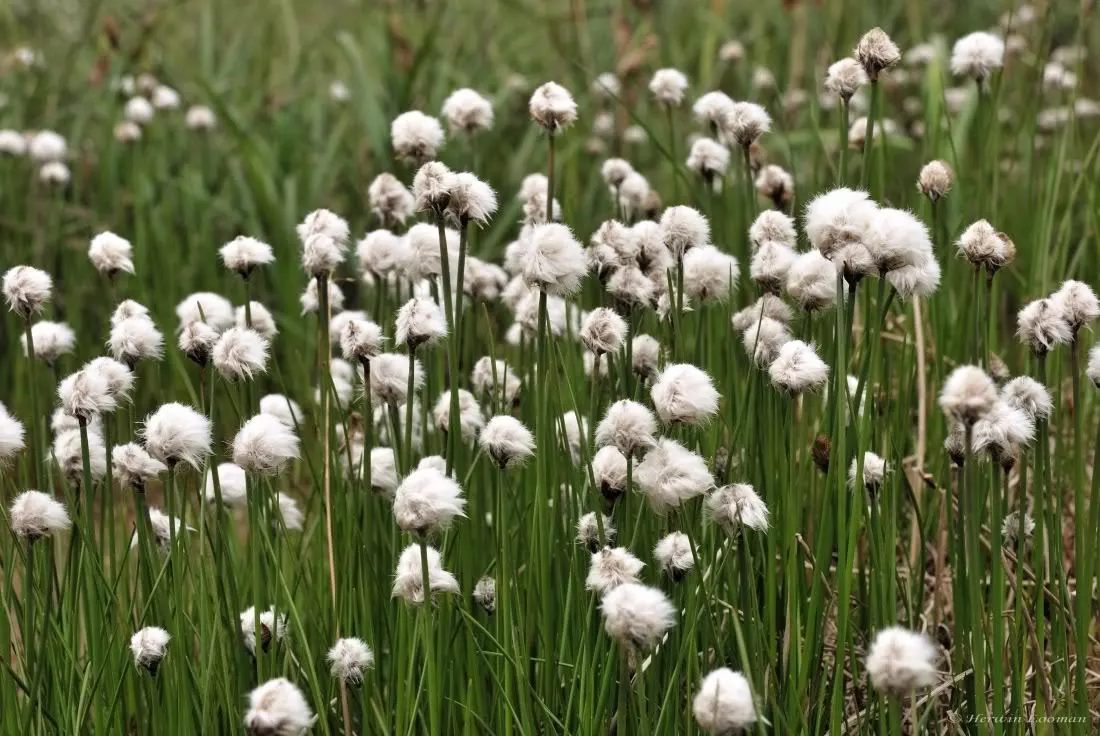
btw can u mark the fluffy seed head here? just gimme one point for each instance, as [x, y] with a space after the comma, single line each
[603, 331]
[845, 77]
[724, 704]
[233, 484]
[361, 340]
[771, 265]
[935, 180]
[552, 260]
[764, 339]
[12, 435]
[1042, 326]
[737, 505]
[419, 322]
[609, 472]
[408, 582]
[471, 199]
[768, 306]
[197, 341]
[874, 471]
[896, 238]
[264, 444]
[712, 108]
[673, 553]
[467, 112]
[1093, 368]
[310, 300]
[110, 253]
[610, 568]
[507, 441]
[470, 418]
[772, 226]
[67, 451]
[684, 228]
[324, 237]
[1013, 528]
[272, 629]
[416, 137]
[709, 274]
[1078, 304]
[708, 158]
[495, 379]
[134, 467]
[668, 86]
[203, 306]
[811, 281]
[240, 353]
[134, 339]
[637, 616]
[85, 394]
[876, 52]
[553, 107]
[47, 146]
[615, 170]
[51, 340]
[745, 122]
[901, 661]
[684, 394]
[26, 290]
[243, 254]
[200, 117]
[389, 375]
[1002, 431]
[390, 201]
[983, 246]
[175, 433]
[588, 531]
[278, 708]
[485, 594]
[968, 394]
[628, 426]
[647, 356]
[797, 368]
[427, 501]
[976, 55]
[838, 218]
[148, 646]
[1029, 396]
[348, 659]
[671, 474]
[35, 515]
[119, 377]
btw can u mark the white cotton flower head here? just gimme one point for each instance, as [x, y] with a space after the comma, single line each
[610, 568]
[745, 122]
[390, 200]
[876, 52]
[1012, 528]
[588, 531]
[837, 218]
[127, 132]
[338, 91]
[35, 515]
[86, 394]
[470, 419]
[148, 647]
[243, 254]
[67, 451]
[771, 265]
[12, 143]
[772, 226]
[712, 108]
[139, 110]
[764, 340]
[737, 505]
[668, 86]
[709, 274]
[708, 158]
[165, 98]
[1092, 370]
[419, 323]
[324, 237]
[175, 434]
[1078, 304]
[381, 254]
[278, 708]
[603, 331]
[423, 259]
[119, 377]
[724, 704]
[348, 659]
[631, 289]
[197, 341]
[240, 353]
[552, 260]
[508, 442]
[637, 616]
[968, 394]
[389, 377]
[775, 183]
[408, 582]
[496, 379]
[128, 308]
[976, 55]
[982, 245]
[416, 137]
[134, 467]
[203, 306]
[917, 279]
[553, 107]
[671, 474]
[272, 628]
[111, 253]
[896, 238]
[467, 112]
[935, 180]
[46, 146]
[51, 340]
[673, 553]
[485, 594]
[310, 298]
[1042, 326]
[12, 435]
[361, 340]
[54, 172]
[200, 117]
[633, 195]
[135, 339]
[628, 426]
[164, 528]
[471, 199]
[574, 430]
[383, 471]
[845, 77]
[647, 356]
[769, 306]
[606, 85]
[798, 369]
[684, 228]
[1002, 431]
[874, 472]
[264, 445]
[232, 481]
[684, 394]
[900, 662]
[615, 171]
[431, 187]
[609, 472]
[1029, 396]
[427, 501]
[811, 281]
[26, 290]
[262, 320]
[290, 514]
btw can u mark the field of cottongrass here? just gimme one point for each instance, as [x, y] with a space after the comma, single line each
[549, 368]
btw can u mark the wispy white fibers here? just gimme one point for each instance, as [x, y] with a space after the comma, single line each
[724, 704]
[737, 505]
[874, 472]
[684, 394]
[118, 376]
[26, 290]
[416, 137]
[684, 228]
[361, 339]
[628, 426]
[382, 254]
[197, 341]
[1029, 396]
[552, 260]
[496, 379]
[175, 433]
[134, 466]
[67, 451]
[272, 628]
[148, 647]
[671, 474]
[12, 435]
[51, 340]
[214, 310]
[507, 441]
[709, 274]
[588, 531]
[1042, 326]
[244, 254]
[845, 77]
[574, 433]
[264, 444]
[200, 118]
[603, 331]
[744, 123]
[900, 662]
[408, 583]
[982, 245]
[610, 568]
[111, 254]
[85, 394]
[240, 353]
[278, 707]
[708, 158]
[553, 107]
[419, 322]
[1077, 302]
[136, 339]
[390, 200]
[764, 339]
[609, 472]
[34, 515]
[289, 513]
[637, 616]
[673, 553]
[811, 282]
[771, 265]
[1002, 431]
[47, 146]
[935, 180]
[773, 226]
[348, 659]
[769, 306]
[668, 86]
[389, 375]
[310, 299]
[470, 418]
[485, 594]
[775, 183]
[233, 485]
[968, 394]
[711, 109]
[324, 237]
[467, 112]
[876, 52]
[164, 528]
[471, 199]
[263, 322]
[976, 55]
[427, 501]
[797, 368]
[838, 218]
